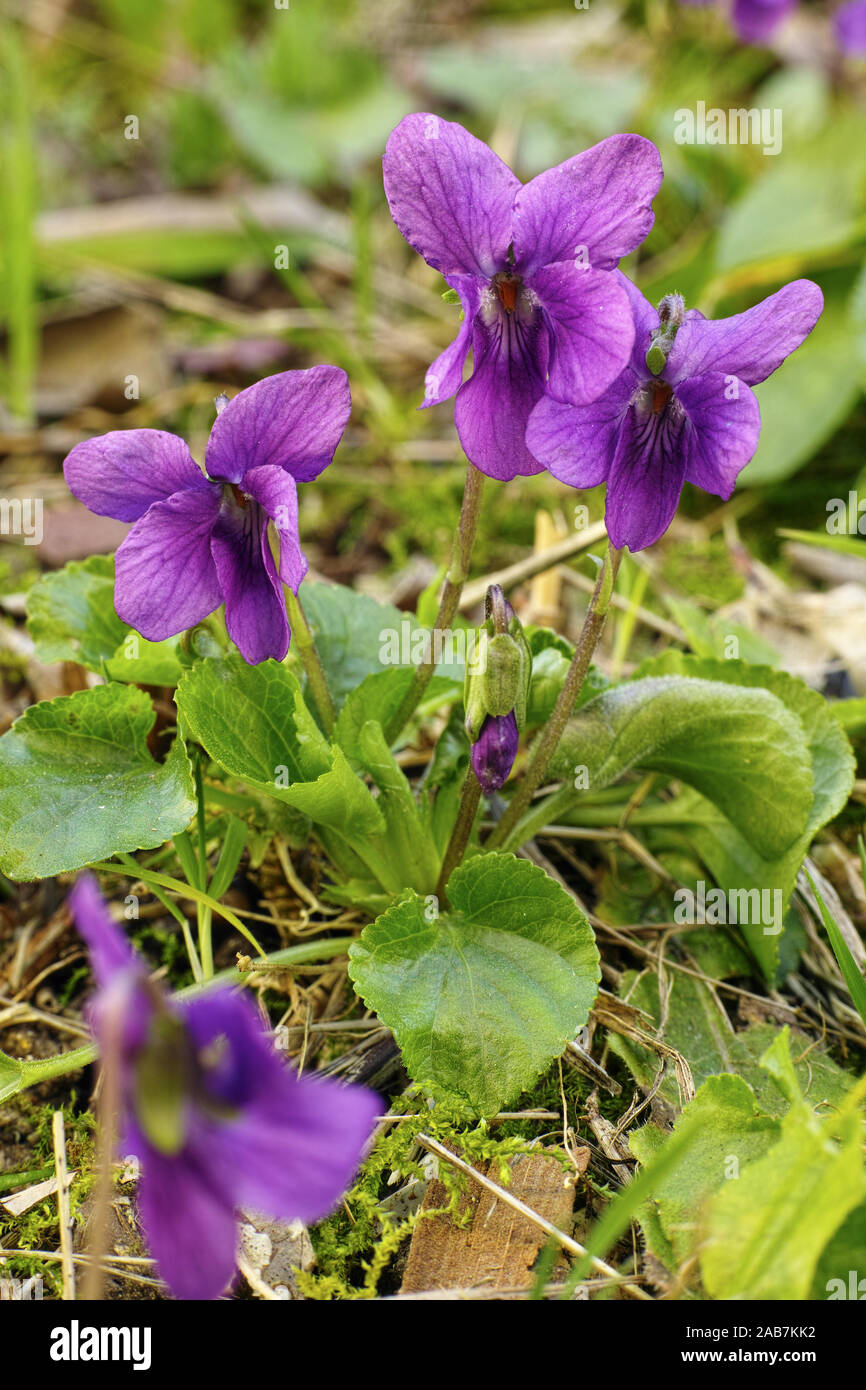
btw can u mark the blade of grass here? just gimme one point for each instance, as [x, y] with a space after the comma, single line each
[183, 890]
[844, 959]
[230, 857]
[17, 206]
[625, 1206]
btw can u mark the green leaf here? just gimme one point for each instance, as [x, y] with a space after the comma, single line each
[733, 856]
[357, 637]
[410, 846]
[710, 636]
[777, 1061]
[699, 1029]
[378, 697]
[841, 1270]
[766, 1232]
[230, 856]
[841, 545]
[481, 997]
[551, 658]
[11, 1072]
[792, 210]
[71, 617]
[739, 747]
[253, 721]
[337, 799]
[851, 714]
[731, 1132]
[844, 959]
[77, 783]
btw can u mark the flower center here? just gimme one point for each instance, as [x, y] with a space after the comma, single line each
[656, 398]
[507, 288]
[240, 497]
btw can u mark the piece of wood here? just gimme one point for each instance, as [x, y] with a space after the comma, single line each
[498, 1246]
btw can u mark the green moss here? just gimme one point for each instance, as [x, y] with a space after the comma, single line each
[356, 1246]
[36, 1229]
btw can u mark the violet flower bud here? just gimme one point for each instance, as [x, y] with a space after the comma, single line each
[493, 753]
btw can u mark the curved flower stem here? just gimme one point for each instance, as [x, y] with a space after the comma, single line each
[458, 572]
[470, 797]
[546, 745]
[302, 635]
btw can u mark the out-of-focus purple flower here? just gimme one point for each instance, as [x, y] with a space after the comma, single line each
[850, 23]
[531, 265]
[691, 419]
[199, 541]
[494, 751]
[755, 21]
[215, 1119]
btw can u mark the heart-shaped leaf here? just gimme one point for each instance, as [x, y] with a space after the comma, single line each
[483, 995]
[71, 617]
[78, 783]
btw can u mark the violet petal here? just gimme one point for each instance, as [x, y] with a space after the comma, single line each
[592, 327]
[277, 492]
[445, 375]
[494, 405]
[255, 607]
[124, 472]
[165, 579]
[190, 1226]
[293, 420]
[646, 478]
[750, 345]
[450, 195]
[725, 427]
[494, 751]
[598, 203]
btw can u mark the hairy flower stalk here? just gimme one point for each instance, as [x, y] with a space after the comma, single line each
[315, 672]
[495, 696]
[449, 602]
[216, 1120]
[501, 835]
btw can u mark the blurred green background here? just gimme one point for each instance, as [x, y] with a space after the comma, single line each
[191, 198]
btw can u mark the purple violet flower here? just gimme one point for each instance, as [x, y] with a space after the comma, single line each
[755, 21]
[199, 541]
[693, 419]
[215, 1119]
[531, 265]
[850, 23]
[494, 751]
